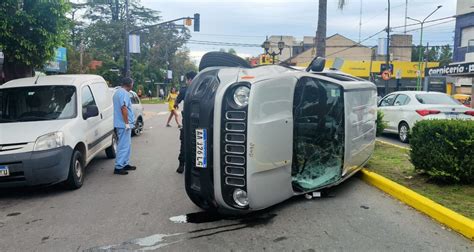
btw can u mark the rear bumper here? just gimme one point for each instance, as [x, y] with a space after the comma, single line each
[36, 168]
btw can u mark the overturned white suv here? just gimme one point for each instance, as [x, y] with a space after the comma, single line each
[255, 137]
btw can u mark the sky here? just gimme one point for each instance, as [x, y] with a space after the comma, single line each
[250, 21]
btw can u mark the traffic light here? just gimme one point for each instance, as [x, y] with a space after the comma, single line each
[197, 22]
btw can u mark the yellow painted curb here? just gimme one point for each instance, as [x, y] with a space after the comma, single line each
[394, 145]
[448, 217]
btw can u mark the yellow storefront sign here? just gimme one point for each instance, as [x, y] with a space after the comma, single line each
[361, 68]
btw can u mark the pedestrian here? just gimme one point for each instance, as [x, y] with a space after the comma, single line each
[171, 108]
[182, 94]
[123, 124]
[149, 94]
[162, 94]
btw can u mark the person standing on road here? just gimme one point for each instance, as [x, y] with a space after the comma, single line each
[182, 94]
[123, 124]
[171, 108]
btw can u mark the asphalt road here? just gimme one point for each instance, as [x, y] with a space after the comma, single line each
[393, 139]
[143, 211]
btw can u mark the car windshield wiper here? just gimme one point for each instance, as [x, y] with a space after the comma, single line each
[3, 120]
[32, 118]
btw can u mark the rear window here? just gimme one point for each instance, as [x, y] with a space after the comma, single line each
[442, 99]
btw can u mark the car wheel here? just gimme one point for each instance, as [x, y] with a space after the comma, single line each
[403, 130]
[214, 59]
[138, 128]
[75, 178]
[111, 151]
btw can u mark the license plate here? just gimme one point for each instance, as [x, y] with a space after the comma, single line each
[201, 148]
[4, 172]
[452, 116]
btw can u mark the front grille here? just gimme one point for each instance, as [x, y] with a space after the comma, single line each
[233, 147]
[14, 177]
[10, 147]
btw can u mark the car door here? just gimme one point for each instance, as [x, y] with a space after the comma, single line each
[92, 123]
[400, 109]
[389, 111]
[135, 105]
[103, 100]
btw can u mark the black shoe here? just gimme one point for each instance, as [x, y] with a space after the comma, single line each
[120, 172]
[180, 168]
[130, 168]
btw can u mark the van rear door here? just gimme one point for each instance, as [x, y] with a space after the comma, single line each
[103, 99]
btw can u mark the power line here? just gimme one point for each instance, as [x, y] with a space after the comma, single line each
[357, 44]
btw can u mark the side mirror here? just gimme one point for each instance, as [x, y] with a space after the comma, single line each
[316, 65]
[90, 111]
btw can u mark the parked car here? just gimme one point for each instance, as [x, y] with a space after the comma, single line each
[52, 127]
[137, 111]
[257, 136]
[404, 108]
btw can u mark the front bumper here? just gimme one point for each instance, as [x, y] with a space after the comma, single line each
[36, 168]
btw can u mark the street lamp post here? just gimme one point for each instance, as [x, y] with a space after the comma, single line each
[418, 79]
[266, 45]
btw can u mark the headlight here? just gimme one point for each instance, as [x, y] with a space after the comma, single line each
[241, 96]
[49, 141]
[240, 197]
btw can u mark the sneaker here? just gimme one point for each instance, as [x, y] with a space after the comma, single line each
[167, 125]
[120, 172]
[130, 168]
[179, 126]
[180, 168]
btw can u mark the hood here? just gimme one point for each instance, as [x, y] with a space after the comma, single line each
[26, 132]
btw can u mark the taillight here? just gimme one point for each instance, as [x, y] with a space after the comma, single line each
[469, 112]
[425, 112]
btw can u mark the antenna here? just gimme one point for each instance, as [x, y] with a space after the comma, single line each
[36, 81]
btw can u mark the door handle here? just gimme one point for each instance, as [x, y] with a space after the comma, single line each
[101, 117]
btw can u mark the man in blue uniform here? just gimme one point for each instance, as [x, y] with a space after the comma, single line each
[123, 124]
[182, 94]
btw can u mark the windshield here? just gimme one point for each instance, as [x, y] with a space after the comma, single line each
[441, 99]
[37, 103]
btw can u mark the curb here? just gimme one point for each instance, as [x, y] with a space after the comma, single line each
[448, 217]
[394, 145]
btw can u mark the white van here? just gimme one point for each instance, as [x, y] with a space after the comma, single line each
[51, 127]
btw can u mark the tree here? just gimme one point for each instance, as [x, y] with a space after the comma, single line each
[29, 34]
[320, 39]
[445, 55]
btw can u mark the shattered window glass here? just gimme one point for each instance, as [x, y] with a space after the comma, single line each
[318, 145]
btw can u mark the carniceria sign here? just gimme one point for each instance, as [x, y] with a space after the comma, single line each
[457, 69]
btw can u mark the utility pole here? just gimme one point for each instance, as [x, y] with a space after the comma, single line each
[406, 12]
[360, 20]
[387, 59]
[81, 54]
[127, 49]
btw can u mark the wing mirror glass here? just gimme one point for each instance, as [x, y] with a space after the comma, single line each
[90, 111]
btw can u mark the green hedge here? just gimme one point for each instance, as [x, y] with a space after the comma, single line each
[380, 123]
[444, 149]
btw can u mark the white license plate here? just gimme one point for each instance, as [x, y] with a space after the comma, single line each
[4, 172]
[201, 148]
[452, 116]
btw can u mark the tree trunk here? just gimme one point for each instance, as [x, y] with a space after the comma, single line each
[321, 30]
[15, 70]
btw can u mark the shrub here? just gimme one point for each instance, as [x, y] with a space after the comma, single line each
[380, 123]
[444, 149]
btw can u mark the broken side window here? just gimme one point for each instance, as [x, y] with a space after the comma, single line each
[318, 145]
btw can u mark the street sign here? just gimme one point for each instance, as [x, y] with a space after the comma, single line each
[386, 75]
[399, 74]
[134, 43]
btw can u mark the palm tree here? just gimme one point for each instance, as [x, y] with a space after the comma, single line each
[320, 39]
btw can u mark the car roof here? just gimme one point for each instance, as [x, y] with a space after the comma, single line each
[415, 92]
[64, 79]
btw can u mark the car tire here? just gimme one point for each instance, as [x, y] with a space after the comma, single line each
[138, 128]
[111, 151]
[403, 131]
[215, 59]
[75, 177]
